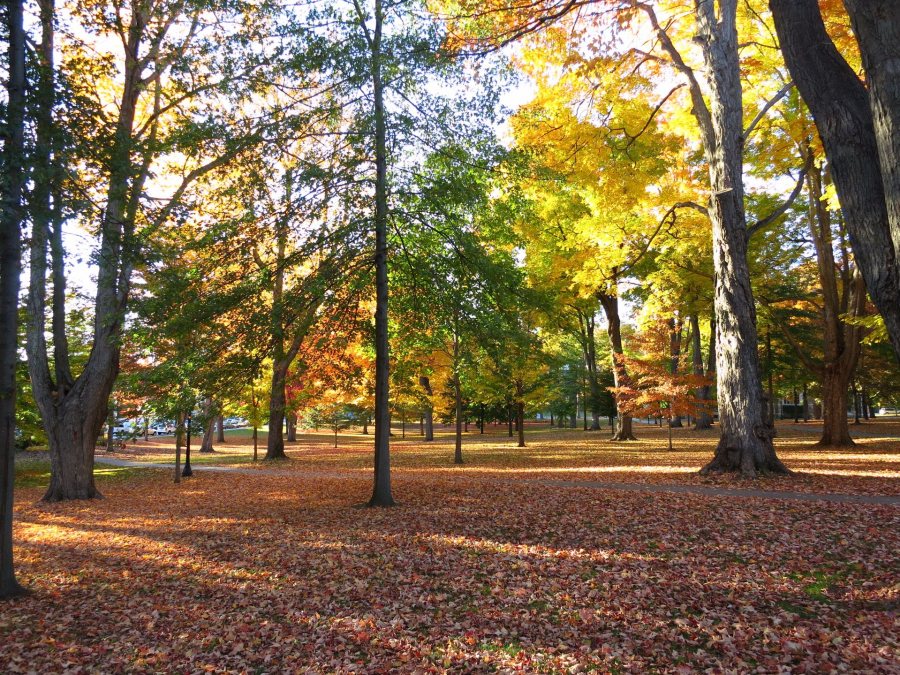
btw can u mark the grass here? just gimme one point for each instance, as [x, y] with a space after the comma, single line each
[34, 472]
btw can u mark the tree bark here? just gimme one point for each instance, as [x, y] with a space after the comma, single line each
[381, 489]
[220, 428]
[877, 27]
[206, 445]
[428, 413]
[703, 418]
[520, 412]
[277, 403]
[457, 397]
[292, 427]
[610, 303]
[746, 441]
[675, 334]
[841, 110]
[12, 217]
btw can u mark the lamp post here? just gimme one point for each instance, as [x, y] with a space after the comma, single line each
[187, 450]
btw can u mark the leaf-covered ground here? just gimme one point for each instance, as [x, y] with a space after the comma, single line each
[479, 569]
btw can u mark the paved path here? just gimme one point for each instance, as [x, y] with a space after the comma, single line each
[628, 487]
[816, 430]
[729, 492]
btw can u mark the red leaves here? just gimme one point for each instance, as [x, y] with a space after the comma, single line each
[476, 570]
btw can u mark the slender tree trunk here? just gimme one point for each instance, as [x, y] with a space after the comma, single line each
[255, 443]
[520, 412]
[509, 412]
[796, 407]
[840, 107]
[624, 431]
[856, 410]
[220, 429]
[805, 402]
[675, 335]
[703, 418]
[457, 397]
[179, 439]
[381, 489]
[428, 413]
[292, 427]
[11, 219]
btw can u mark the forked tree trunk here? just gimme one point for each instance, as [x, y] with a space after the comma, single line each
[877, 27]
[587, 327]
[11, 219]
[841, 109]
[746, 441]
[610, 303]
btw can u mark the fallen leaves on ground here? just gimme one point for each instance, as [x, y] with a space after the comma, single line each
[282, 573]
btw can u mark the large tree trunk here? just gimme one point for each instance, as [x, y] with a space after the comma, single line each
[11, 218]
[840, 107]
[623, 431]
[746, 441]
[381, 488]
[428, 413]
[220, 428]
[277, 402]
[877, 27]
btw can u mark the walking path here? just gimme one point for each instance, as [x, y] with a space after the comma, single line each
[629, 487]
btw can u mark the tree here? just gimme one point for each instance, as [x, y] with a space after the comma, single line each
[843, 116]
[12, 174]
[160, 123]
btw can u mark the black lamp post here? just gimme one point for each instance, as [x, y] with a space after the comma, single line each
[187, 450]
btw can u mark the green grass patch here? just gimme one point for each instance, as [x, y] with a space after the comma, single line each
[33, 473]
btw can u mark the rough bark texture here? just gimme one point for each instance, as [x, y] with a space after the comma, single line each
[277, 403]
[877, 27]
[220, 429]
[746, 441]
[11, 219]
[840, 107]
[610, 303]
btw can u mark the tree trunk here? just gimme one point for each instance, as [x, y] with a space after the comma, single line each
[11, 219]
[877, 27]
[292, 427]
[457, 397]
[675, 334]
[703, 418]
[179, 439]
[805, 402]
[840, 107]
[587, 328]
[623, 431]
[509, 411]
[428, 413]
[520, 420]
[381, 489]
[220, 429]
[277, 403]
[856, 411]
[746, 441]
[206, 445]
[255, 443]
